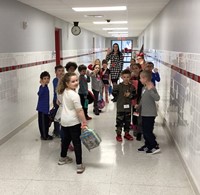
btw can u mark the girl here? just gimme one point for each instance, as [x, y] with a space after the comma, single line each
[96, 86]
[106, 78]
[71, 115]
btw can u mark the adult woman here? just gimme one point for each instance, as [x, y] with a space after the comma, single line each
[116, 63]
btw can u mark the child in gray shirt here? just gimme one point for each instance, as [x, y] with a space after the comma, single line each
[148, 109]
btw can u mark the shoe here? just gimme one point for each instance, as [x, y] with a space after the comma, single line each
[88, 118]
[65, 160]
[119, 138]
[114, 100]
[128, 136]
[71, 148]
[153, 150]
[49, 137]
[80, 168]
[138, 136]
[142, 149]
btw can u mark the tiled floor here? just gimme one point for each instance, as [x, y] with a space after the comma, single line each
[28, 166]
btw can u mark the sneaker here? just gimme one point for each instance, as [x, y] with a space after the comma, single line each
[88, 118]
[153, 150]
[71, 148]
[49, 137]
[128, 136]
[65, 160]
[142, 149]
[119, 138]
[80, 168]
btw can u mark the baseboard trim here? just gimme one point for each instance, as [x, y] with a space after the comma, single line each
[17, 130]
[189, 175]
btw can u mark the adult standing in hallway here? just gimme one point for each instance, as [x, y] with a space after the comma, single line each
[116, 63]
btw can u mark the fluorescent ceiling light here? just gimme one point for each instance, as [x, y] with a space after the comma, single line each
[118, 32]
[115, 28]
[89, 9]
[120, 35]
[111, 22]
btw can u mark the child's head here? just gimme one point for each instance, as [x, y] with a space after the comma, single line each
[97, 61]
[71, 67]
[149, 66]
[68, 81]
[44, 77]
[59, 70]
[136, 68]
[133, 61]
[145, 77]
[104, 64]
[82, 69]
[96, 68]
[126, 76]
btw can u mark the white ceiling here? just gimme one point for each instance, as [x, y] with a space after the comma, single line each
[139, 13]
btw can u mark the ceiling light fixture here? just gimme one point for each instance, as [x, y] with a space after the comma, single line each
[119, 32]
[90, 9]
[115, 28]
[111, 22]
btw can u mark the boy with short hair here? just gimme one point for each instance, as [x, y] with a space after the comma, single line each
[124, 93]
[59, 71]
[84, 79]
[148, 112]
[155, 75]
[43, 106]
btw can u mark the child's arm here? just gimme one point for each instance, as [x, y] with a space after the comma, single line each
[157, 75]
[153, 92]
[81, 116]
[115, 91]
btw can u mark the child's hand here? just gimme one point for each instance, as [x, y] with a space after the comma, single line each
[155, 70]
[42, 83]
[127, 94]
[84, 126]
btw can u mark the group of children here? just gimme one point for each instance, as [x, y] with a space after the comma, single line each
[136, 93]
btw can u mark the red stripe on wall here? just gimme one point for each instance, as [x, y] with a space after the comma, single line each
[20, 66]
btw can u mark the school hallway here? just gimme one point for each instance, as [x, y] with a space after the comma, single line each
[29, 166]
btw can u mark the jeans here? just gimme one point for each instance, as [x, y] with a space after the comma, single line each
[69, 134]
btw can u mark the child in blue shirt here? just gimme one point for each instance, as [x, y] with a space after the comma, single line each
[43, 106]
[155, 75]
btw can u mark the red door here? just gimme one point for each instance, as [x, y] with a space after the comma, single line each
[57, 45]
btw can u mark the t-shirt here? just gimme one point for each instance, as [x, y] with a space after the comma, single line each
[105, 76]
[70, 102]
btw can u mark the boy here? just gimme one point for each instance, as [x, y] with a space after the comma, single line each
[148, 112]
[84, 79]
[124, 93]
[59, 71]
[155, 75]
[43, 106]
[71, 67]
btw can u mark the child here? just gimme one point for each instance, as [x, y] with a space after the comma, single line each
[148, 113]
[106, 78]
[59, 71]
[124, 93]
[43, 106]
[96, 86]
[155, 75]
[71, 115]
[83, 89]
[71, 67]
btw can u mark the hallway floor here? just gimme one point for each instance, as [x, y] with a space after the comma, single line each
[29, 166]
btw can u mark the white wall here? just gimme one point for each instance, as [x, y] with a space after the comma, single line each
[173, 38]
[18, 88]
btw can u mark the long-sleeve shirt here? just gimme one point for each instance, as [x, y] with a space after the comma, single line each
[55, 84]
[116, 64]
[124, 103]
[83, 84]
[155, 77]
[43, 99]
[96, 82]
[147, 102]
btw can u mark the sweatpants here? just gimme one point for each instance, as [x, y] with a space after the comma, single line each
[43, 123]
